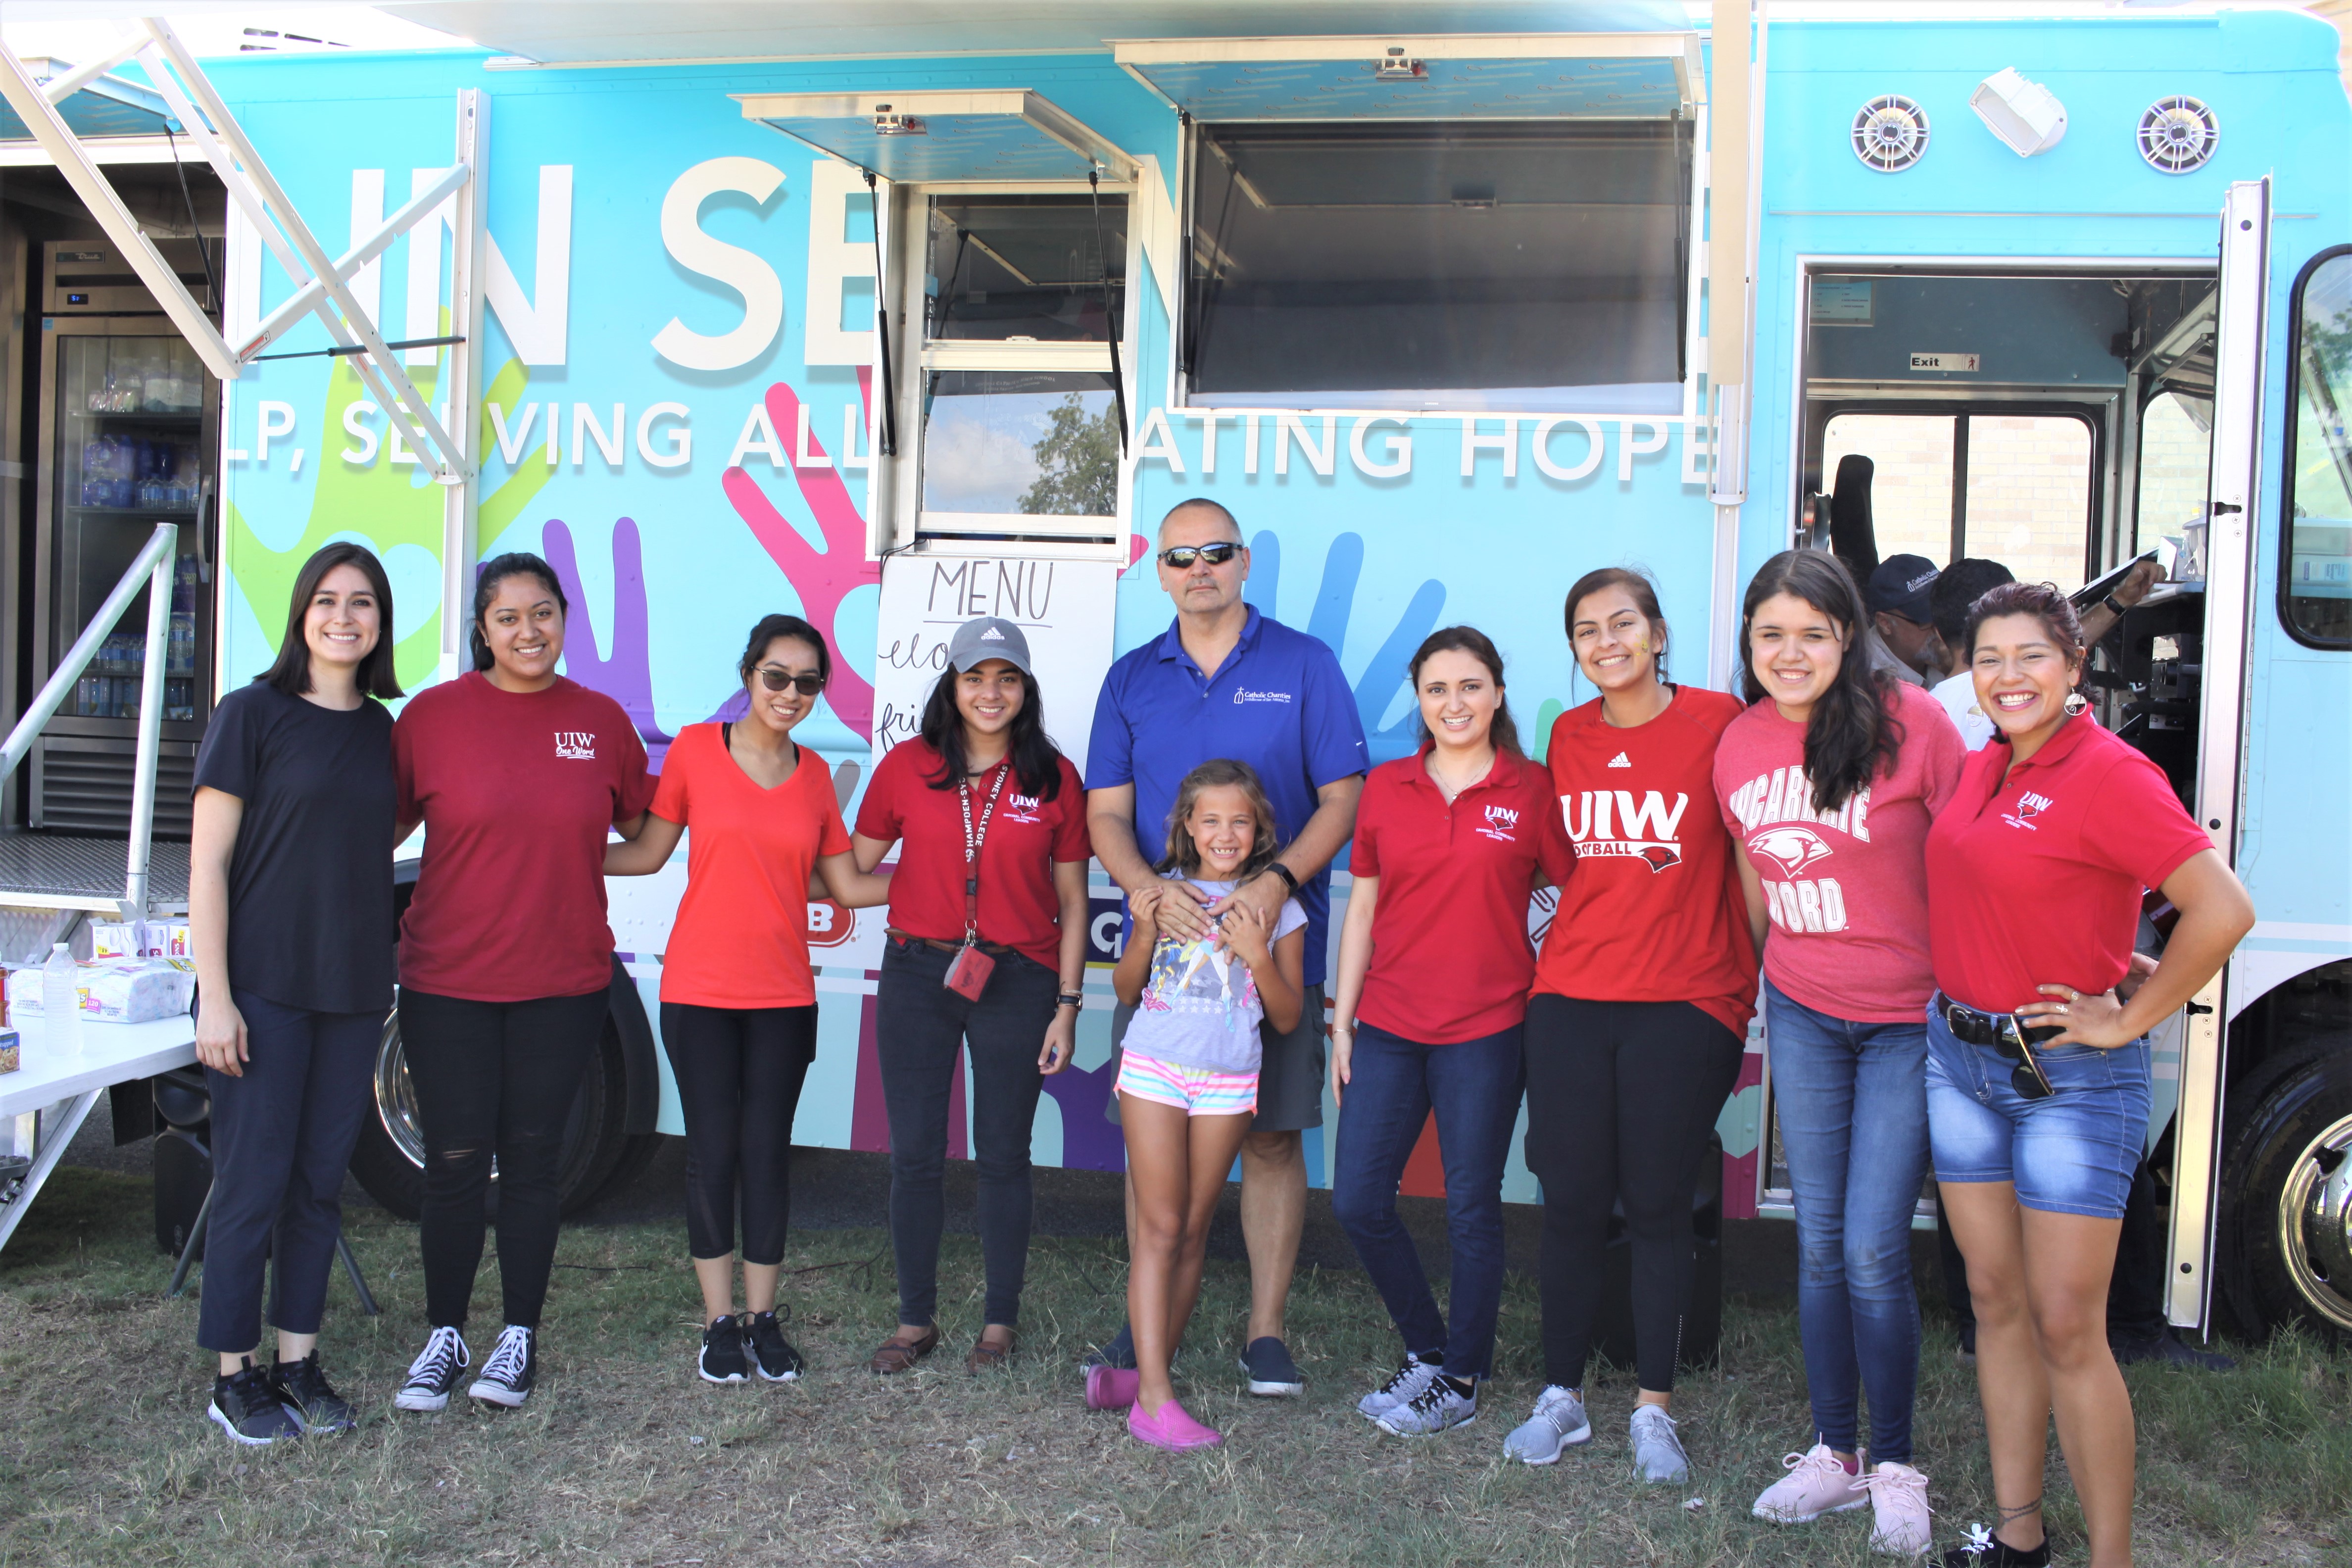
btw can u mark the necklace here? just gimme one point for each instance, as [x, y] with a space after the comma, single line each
[1449, 788]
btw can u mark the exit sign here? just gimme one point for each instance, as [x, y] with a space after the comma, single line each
[1945, 362]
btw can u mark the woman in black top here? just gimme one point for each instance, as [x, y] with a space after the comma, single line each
[290, 908]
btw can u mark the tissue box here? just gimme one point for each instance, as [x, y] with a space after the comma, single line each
[11, 1057]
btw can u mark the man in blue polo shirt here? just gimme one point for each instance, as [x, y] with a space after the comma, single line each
[1226, 681]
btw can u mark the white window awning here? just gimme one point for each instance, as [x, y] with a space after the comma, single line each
[1494, 76]
[959, 137]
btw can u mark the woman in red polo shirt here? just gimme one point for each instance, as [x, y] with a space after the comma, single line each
[738, 996]
[2035, 874]
[996, 965]
[1434, 965]
[506, 963]
[1640, 1012]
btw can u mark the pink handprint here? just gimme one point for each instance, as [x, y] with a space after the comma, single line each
[823, 578]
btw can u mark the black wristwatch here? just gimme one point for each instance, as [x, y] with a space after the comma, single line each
[1074, 1000]
[1283, 871]
[2118, 611]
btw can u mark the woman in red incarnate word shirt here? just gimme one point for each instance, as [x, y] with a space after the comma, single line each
[1639, 1014]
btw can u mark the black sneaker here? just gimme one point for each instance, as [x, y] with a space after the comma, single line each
[2168, 1349]
[1983, 1549]
[433, 1374]
[770, 1352]
[1118, 1355]
[246, 1406]
[302, 1388]
[510, 1370]
[1272, 1373]
[722, 1360]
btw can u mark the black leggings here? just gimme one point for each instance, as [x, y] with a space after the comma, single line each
[739, 1072]
[494, 1076]
[1621, 1098]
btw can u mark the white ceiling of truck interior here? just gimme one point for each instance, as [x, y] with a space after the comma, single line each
[590, 32]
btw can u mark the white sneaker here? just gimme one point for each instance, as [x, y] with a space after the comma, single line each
[1817, 1483]
[1657, 1452]
[1899, 1510]
[1401, 1389]
[1559, 1421]
[1432, 1410]
[434, 1372]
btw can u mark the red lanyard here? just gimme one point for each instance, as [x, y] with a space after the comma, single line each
[972, 840]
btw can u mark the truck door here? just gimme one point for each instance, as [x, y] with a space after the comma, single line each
[2231, 487]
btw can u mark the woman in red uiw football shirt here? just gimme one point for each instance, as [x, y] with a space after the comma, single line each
[1641, 1007]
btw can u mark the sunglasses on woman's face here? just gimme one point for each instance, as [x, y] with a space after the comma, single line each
[1183, 555]
[776, 680]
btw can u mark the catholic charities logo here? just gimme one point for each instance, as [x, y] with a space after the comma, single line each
[1501, 824]
[2028, 807]
[1244, 694]
[1606, 823]
[575, 745]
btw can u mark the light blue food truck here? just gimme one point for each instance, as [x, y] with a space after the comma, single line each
[893, 321]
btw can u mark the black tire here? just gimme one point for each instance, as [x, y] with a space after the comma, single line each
[390, 1158]
[2285, 1221]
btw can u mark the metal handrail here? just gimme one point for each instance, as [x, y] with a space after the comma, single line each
[154, 563]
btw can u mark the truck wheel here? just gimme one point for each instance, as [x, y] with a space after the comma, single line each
[390, 1158]
[2285, 1227]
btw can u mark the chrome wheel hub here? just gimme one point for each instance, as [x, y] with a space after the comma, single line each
[2314, 1223]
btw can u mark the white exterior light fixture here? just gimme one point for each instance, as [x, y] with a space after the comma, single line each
[2026, 115]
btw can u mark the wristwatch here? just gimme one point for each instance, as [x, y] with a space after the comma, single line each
[1074, 1000]
[1283, 871]
[2116, 609]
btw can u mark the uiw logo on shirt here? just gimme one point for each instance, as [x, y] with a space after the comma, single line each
[1610, 823]
[2028, 807]
[1501, 824]
[1019, 809]
[575, 745]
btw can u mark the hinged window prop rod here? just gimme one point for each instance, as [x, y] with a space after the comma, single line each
[358, 349]
[888, 446]
[1111, 322]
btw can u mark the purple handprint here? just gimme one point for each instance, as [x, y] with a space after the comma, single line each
[626, 674]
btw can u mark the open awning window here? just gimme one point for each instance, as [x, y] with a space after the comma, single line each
[104, 106]
[1516, 76]
[940, 137]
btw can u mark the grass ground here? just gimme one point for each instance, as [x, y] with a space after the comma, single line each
[624, 1458]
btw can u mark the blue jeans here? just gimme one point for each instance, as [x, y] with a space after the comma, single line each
[1394, 1084]
[1853, 1104]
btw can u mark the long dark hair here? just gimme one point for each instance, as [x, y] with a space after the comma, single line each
[1183, 855]
[495, 571]
[769, 629]
[1853, 735]
[1504, 735]
[1036, 762]
[1638, 587]
[292, 671]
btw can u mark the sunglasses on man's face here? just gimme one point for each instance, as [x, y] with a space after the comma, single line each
[1183, 555]
[776, 680]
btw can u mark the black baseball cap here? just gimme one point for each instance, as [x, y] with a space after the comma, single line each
[1901, 584]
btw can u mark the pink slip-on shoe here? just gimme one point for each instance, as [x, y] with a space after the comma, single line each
[1168, 1428]
[1110, 1388]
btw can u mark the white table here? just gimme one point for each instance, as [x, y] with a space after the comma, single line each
[51, 1095]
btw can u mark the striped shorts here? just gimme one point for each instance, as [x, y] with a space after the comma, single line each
[1196, 1092]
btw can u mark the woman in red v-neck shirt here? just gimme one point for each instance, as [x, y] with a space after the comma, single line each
[738, 995]
[506, 963]
[2035, 877]
[1640, 1013]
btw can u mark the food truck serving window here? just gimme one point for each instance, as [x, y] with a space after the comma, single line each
[2315, 582]
[1535, 266]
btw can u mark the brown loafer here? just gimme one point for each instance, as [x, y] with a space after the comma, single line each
[899, 1355]
[987, 1355]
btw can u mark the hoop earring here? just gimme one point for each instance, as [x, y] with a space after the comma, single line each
[2075, 703]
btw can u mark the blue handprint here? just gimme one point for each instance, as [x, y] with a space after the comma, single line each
[1335, 603]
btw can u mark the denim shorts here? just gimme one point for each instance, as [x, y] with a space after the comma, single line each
[2072, 1153]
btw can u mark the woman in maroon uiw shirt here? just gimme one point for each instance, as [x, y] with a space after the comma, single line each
[505, 959]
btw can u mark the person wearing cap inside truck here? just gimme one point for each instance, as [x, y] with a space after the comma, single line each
[1897, 598]
[1225, 681]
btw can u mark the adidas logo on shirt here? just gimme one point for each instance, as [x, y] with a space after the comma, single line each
[1620, 761]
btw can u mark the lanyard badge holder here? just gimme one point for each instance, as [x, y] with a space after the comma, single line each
[968, 971]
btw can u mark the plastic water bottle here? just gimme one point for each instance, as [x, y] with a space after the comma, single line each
[60, 1001]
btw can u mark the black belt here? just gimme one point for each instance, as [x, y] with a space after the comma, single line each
[994, 949]
[1976, 1029]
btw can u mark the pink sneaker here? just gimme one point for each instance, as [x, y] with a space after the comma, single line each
[1816, 1484]
[1899, 1510]
[1168, 1428]
[1109, 1388]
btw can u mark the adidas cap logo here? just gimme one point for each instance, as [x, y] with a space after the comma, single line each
[1620, 761]
[991, 634]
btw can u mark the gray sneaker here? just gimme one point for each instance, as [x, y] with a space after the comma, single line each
[1657, 1452]
[1431, 1411]
[1559, 1421]
[1410, 1378]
